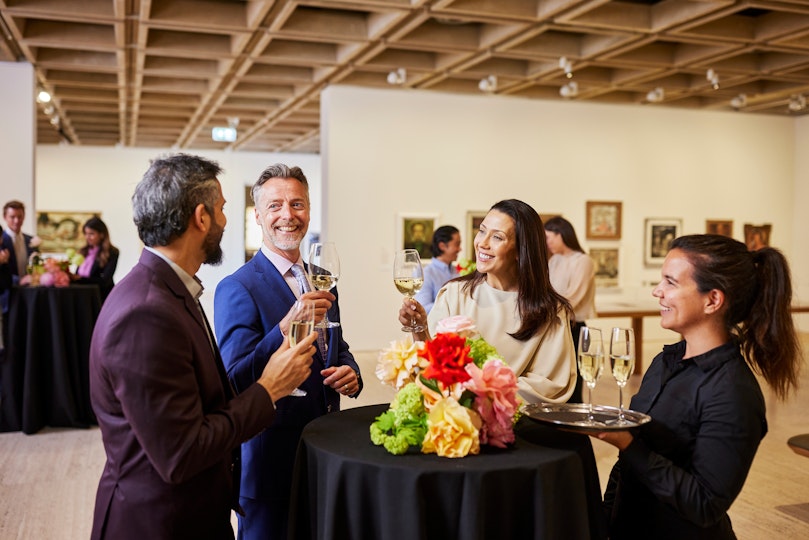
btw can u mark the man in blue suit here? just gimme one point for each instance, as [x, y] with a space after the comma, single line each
[251, 317]
[17, 243]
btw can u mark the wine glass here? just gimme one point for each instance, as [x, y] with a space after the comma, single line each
[622, 361]
[408, 276]
[324, 270]
[591, 361]
[301, 324]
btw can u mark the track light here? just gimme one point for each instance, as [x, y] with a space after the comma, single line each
[797, 103]
[43, 96]
[488, 84]
[569, 90]
[566, 66]
[739, 101]
[656, 96]
[712, 77]
[397, 77]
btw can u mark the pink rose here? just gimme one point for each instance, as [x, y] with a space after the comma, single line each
[463, 326]
[61, 279]
[46, 279]
[495, 389]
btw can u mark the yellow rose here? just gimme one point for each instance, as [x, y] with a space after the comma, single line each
[452, 430]
[397, 364]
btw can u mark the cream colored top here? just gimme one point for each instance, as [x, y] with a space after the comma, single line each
[545, 364]
[573, 276]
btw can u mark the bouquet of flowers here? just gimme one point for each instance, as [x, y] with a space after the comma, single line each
[455, 393]
[49, 272]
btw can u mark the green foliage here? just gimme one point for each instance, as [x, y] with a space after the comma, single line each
[404, 424]
[480, 351]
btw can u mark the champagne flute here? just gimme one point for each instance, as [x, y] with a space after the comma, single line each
[622, 361]
[408, 276]
[324, 270]
[591, 361]
[301, 324]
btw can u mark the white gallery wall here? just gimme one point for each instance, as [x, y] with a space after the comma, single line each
[18, 136]
[392, 152]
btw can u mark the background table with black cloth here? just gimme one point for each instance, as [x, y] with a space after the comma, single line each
[544, 486]
[45, 371]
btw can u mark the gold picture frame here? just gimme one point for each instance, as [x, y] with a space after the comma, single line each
[60, 230]
[603, 220]
[722, 227]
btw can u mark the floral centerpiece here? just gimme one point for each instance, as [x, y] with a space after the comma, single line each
[50, 272]
[465, 266]
[454, 394]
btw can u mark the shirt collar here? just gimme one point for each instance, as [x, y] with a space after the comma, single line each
[282, 264]
[706, 361]
[192, 283]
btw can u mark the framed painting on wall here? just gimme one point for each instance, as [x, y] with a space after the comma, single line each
[607, 267]
[603, 220]
[415, 231]
[62, 230]
[659, 234]
[719, 226]
[473, 221]
[757, 236]
[252, 232]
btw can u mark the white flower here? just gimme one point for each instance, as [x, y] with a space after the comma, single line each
[398, 364]
[463, 326]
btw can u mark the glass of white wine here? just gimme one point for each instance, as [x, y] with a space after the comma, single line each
[408, 276]
[622, 361]
[301, 324]
[324, 271]
[591, 362]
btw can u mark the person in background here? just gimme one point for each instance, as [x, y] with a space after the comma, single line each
[18, 245]
[445, 249]
[572, 274]
[170, 422]
[5, 284]
[677, 476]
[100, 257]
[511, 299]
[251, 316]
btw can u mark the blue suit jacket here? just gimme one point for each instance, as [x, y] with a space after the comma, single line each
[248, 305]
[8, 243]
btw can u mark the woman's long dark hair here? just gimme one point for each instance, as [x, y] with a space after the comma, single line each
[565, 229]
[537, 302]
[758, 292]
[105, 246]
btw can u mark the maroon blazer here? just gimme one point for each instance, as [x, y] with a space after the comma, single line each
[168, 417]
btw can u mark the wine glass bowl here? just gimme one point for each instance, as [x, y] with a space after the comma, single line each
[301, 324]
[324, 271]
[591, 362]
[408, 277]
[622, 363]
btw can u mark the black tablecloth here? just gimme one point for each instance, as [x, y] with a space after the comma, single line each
[44, 375]
[544, 486]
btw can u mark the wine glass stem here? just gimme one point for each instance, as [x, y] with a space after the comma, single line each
[621, 402]
[589, 403]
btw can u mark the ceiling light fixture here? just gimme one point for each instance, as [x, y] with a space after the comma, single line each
[566, 66]
[797, 102]
[739, 101]
[712, 77]
[488, 84]
[226, 134]
[656, 96]
[397, 76]
[569, 90]
[43, 96]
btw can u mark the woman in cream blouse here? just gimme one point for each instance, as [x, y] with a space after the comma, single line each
[512, 302]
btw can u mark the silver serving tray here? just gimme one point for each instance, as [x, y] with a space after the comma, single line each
[573, 416]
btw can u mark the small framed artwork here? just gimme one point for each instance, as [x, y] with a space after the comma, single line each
[719, 226]
[252, 231]
[546, 217]
[757, 236]
[473, 221]
[415, 231]
[603, 220]
[659, 234]
[62, 230]
[607, 268]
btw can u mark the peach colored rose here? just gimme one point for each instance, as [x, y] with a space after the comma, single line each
[458, 324]
[495, 389]
[431, 397]
[452, 430]
[398, 364]
[61, 279]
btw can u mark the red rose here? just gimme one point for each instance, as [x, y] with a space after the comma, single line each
[447, 355]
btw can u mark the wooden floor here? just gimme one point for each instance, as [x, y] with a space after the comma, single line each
[48, 480]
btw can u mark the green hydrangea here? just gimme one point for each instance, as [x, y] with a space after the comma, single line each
[480, 351]
[404, 424]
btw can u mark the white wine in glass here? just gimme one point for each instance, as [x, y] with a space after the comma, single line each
[622, 361]
[324, 271]
[591, 362]
[301, 324]
[408, 276]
